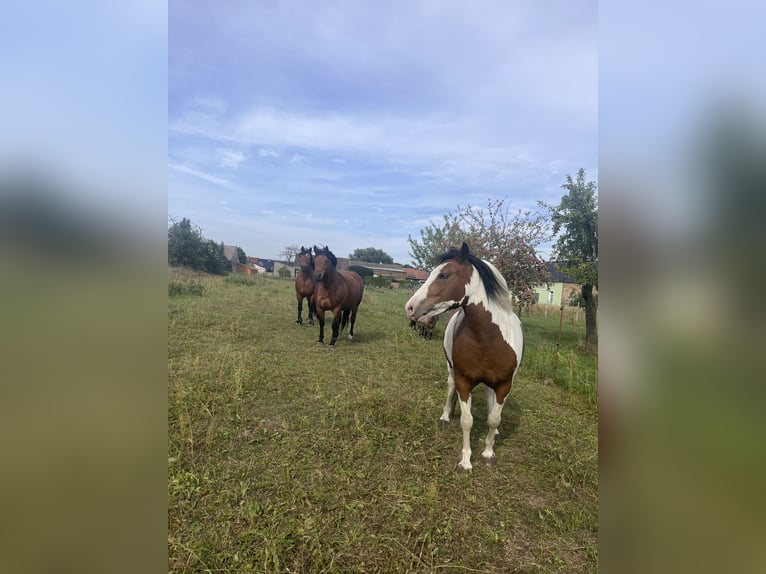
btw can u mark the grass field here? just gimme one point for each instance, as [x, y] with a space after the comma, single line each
[286, 456]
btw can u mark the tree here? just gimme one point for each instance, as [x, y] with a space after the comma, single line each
[289, 253]
[187, 247]
[371, 255]
[435, 240]
[508, 241]
[575, 220]
[241, 255]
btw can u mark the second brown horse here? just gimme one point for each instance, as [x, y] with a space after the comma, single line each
[337, 291]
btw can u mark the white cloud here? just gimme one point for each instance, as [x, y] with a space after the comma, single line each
[229, 157]
[200, 174]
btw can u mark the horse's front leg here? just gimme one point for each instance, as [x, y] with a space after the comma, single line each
[320, 317]
[336, 315]
[299, 321]
[466, 423]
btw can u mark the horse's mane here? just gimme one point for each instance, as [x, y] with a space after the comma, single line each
[494, 284]
[327, 253]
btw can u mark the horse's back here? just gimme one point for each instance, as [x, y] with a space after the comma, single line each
[355, 286]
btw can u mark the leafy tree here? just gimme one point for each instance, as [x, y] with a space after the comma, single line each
[371, 255]
[435, 240]
[507, 240]
[241, 255]
[575, 220]
[187, 247]
[289, 253]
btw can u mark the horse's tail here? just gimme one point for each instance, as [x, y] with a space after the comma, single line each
[344, 319]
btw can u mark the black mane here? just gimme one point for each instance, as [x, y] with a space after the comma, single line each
[492, 286]
[327, 253]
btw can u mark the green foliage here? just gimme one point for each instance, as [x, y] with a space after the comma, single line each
[285, 272]
[241, 255]
[435, 240]
[371, 255]
[575, 220]
[188, 248]
[507, 240]
[237, 279]
[188, 287]
[362, 271]
[371, 281]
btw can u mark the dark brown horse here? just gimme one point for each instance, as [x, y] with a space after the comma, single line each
[305, 284]
[337, 291]
[483, 340]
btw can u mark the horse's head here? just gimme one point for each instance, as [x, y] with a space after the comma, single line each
[306, 260]
[445, 287]
[324, 260]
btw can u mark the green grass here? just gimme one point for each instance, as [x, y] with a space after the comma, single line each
[286, 456]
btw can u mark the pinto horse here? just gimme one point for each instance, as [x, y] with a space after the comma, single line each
[305, 284]
[483, 340]
[337, 291]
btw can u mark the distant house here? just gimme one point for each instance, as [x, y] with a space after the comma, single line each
[394, 271]
[270, 266]
[561, 288]
[415, 274]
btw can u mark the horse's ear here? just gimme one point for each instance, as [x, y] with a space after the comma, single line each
[464, 251]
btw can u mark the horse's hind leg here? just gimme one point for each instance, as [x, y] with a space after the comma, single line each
[449, 405]
[312, 310]
[335, 327]
[353, 320]
[494, 411]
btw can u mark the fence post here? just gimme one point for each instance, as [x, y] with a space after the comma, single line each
[558, 341]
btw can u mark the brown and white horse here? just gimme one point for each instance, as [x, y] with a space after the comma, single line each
[337, 291]
[483, 340]
[305, 284]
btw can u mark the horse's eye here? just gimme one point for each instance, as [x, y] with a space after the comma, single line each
[443, 276]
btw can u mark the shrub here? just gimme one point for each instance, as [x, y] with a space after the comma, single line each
[239, 280]
[189, 287]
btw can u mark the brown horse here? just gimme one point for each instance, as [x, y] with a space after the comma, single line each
[305, 284]
[337, 291]
[483, 340]
[426, 326]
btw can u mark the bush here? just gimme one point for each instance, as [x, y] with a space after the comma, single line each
[377, 281]
[239, 280]
[189, 287]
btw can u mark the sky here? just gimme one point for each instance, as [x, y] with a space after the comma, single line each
[355, 124]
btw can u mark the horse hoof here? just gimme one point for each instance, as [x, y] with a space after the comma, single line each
[489, 460]
[443, 423]
[350, 337]
[461, 470]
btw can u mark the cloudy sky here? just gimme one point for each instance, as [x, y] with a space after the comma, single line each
[353, 124]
